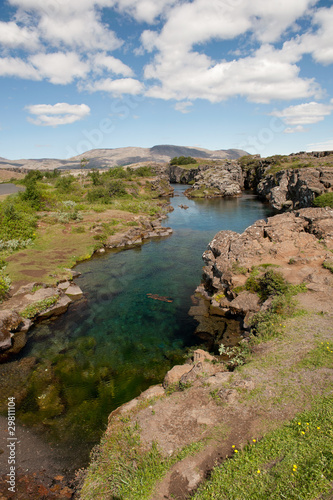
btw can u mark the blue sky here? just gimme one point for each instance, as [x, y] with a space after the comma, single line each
[83, 74]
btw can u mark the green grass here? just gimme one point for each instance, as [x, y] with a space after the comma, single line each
[320, 357]
[37, 307]
[293, 462]
[64, 208]
[324, 200]
[122, 468]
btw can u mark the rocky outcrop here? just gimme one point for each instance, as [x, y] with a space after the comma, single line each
[181, 175]
[298, 243]
[218, 181]
[32, 302]
[293, 189]
[136, 235]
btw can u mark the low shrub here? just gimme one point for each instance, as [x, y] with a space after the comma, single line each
[143, 171]
[270, 283]
[5, 283]
[103, 194]
[183, 160]
[64, 183]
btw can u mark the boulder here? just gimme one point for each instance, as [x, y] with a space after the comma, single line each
[154, 391]
[74, 292]
[192, 375]
[13, 333]
[9, 323]
[59, 308]
[245, 302]
[201, 355]
[174, 375]
[64, 285]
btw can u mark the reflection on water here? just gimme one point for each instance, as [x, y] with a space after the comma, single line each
[117, 341]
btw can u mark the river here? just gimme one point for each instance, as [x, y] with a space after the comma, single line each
[117, 341]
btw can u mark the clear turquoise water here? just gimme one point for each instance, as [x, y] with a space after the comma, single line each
[114, 343]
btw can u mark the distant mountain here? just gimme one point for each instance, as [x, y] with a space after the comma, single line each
[106, 158]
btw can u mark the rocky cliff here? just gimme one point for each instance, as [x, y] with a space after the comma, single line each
[220, 180]
[291, 189]
[289, 182]
[298, 245]
[182, 175]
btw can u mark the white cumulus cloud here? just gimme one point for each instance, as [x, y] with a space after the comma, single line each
[303, 114]
[48, 115]
[14, 66]
[266, 75]
[60, 67]
[117, 87]
[187, 46]
[102, 61]
[12, 36]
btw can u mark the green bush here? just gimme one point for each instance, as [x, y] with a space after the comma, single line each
[32, 176]
[249, 162]
[118, 173]
[270, 283]
[64, 184]
[183, 160]
[17, 220]
[103, 194]
[5, 283]
[96, 177]
[54, 174]
[324, 200]
[143, 171]
[32, 194]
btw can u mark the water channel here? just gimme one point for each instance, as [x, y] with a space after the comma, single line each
[116, 342]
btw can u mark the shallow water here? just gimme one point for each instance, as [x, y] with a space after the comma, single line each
[117, 341]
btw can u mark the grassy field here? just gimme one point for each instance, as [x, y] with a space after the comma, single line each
[61, 219]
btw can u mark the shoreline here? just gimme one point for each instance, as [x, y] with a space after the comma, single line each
[123, 240]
